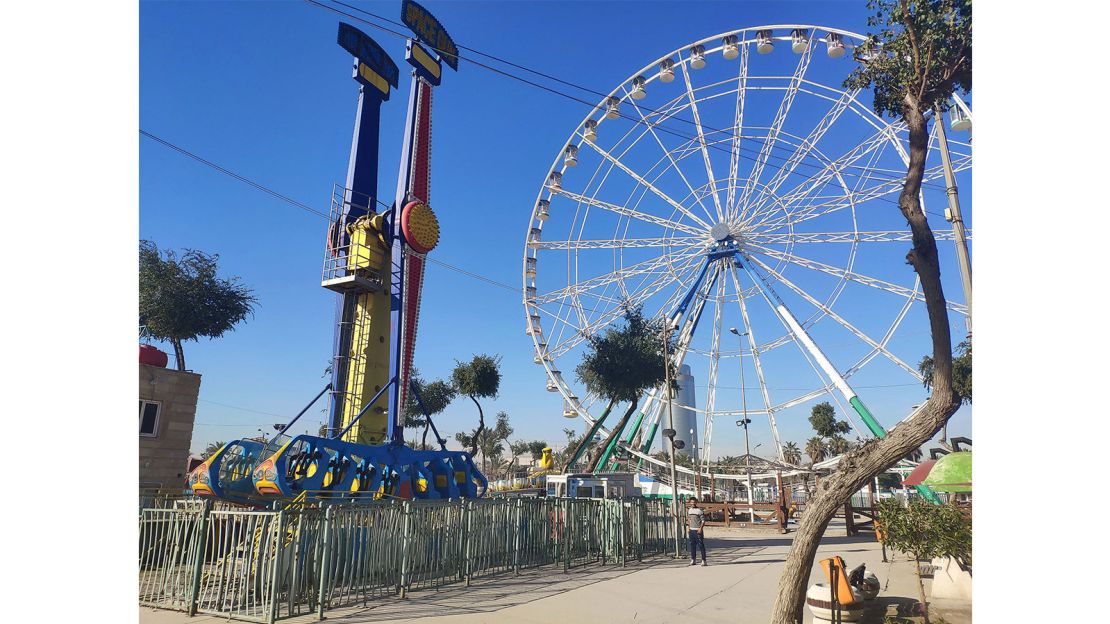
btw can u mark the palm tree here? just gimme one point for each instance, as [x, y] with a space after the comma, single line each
[816, 449]
[211, 449]
[620, 365]
[838, 445]
[791, 454]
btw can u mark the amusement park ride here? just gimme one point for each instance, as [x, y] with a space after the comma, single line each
[375, 263]
[685, 243]
[772, 205]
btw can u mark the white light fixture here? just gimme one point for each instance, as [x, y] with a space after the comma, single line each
[666, 70]
[612, 108]
[638, 90]
[763, 42]
[697, 56]
[543, 209]
[589, 132]
[731, 48]
[836, 45]
[960, 121]
[570, 155]
[799, 40]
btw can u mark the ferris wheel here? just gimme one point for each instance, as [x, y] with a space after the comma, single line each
[735, 188]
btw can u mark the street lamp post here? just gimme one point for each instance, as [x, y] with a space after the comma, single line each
[744, 420]
[670, 428]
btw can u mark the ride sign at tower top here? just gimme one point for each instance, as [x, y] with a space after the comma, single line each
[428, 29]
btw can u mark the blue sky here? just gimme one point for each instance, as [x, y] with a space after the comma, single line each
[262, 89]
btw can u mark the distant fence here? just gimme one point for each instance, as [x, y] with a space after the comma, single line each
[267, 565]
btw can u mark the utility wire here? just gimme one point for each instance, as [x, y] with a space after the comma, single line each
[657, 125]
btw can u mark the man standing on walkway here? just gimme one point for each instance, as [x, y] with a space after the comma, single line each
[697, 535]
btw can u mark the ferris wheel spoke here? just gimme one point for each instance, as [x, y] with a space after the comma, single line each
[853, 276]
[753, 346]
[714, 367]
[679, 242]
[701, 141]
[652, 265]
[629, 212]
[872, 145]
[887, 236]
[776, 127]
[642, 294]
[651, 187]
[674, 163]
[737, 129]
[881, 347]
[822, 370]
[887, 187]
[804, 148]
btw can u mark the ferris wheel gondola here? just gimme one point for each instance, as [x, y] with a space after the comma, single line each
[753, 191]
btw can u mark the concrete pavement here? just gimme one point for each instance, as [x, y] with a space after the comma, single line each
[738, 587]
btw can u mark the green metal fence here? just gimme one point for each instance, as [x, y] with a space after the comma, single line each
[268, 565]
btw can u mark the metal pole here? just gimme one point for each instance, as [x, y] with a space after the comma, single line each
[670, 425]
[954, 216]
[744, 419]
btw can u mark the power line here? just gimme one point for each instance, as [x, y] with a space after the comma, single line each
[228, 172]
[657, 125]
[305, 207]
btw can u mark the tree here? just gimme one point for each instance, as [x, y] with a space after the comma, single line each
[925, 531]
[816, 449]
[620, 365]
[535, 449]
[479, 378]
[824, 422]
[182, 299]
[920, 56]
[436, 396]
[791, 454]
[211, 449]
[516, 449]
[838, 445]
[961, 371]
[574, 441]
[489, 441]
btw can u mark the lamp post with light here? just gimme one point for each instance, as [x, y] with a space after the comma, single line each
[744, 422]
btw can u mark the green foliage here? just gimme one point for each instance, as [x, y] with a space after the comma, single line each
[920, 56]
[489, 441]
[680, 458]
[816, 449]
[535, 448]
[211, 449]
[924, 530]
[823, 419]
[182, 298]
[791, 453]
[961, 372]
[838, 445]
[889, 480]
[624, 361]
[480, 378]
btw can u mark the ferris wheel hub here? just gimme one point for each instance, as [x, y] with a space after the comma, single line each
[721, 232]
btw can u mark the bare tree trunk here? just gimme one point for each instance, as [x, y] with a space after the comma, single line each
[861, 465]
[921, 589]
[178, 353]
[616, 431]
[478, 432]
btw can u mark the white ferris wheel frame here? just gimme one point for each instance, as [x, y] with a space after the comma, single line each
[683, 237]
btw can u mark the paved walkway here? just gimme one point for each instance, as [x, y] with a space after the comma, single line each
[738, 587]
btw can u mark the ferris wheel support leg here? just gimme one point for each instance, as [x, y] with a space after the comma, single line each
[590, 434]
[841, 384]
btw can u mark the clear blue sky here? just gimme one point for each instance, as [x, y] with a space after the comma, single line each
[262, 89]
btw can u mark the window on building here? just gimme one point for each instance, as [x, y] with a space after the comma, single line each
[149, 411]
